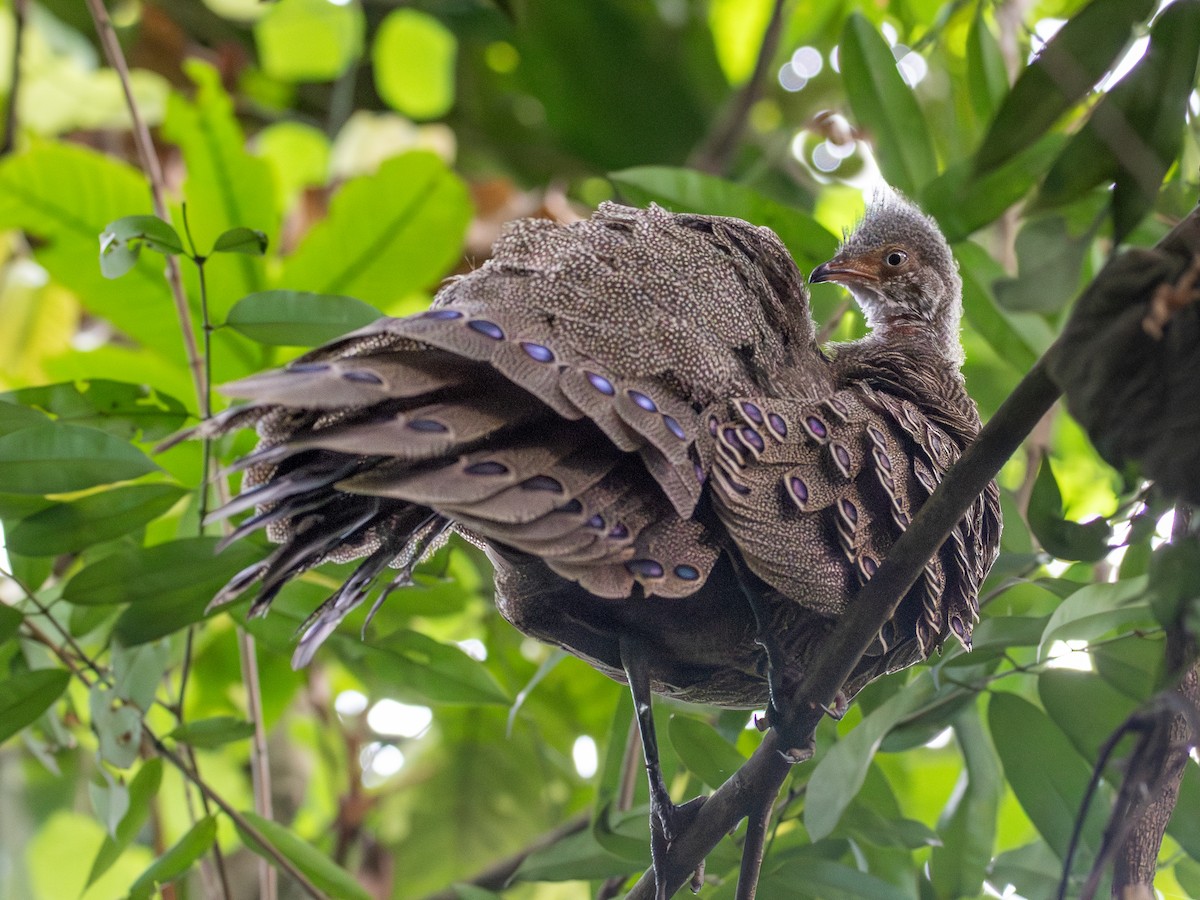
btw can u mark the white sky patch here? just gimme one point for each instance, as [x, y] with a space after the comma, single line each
[474, 648]
[941, 739]
[350, 703]
[395, 719]
[1042, 32]
[380, 762]
[1069, 655]
[1131, 58]
[585, 756]
[4, 563]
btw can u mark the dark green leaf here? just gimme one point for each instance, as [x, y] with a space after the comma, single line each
[128, 411]
[1061, 537]
[298, 318]
[27, 695]
[826, 878]
[1134, 666]
[241, 240]
[985, 316]
[10, 621]
[1096, 609]
[1050, 258]
[1187, 873]
[1135, 131]
[1174, 580]
[177, 860]
[55, 458]
[1047, 775]
[886, 107]
[686, 190]
[425, 670]
[705, 753]
[572, 858]
[1033, 870]
[142, 790]
[1065, 70]
[863, 822]
[14, 417]
[316, 866]
[1184, 826]
[68, 527]
[987, 77]
[213, 732]
[1084, 706]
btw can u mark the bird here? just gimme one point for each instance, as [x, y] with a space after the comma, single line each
[631, 415]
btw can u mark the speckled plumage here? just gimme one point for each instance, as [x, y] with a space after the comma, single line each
[611, 409]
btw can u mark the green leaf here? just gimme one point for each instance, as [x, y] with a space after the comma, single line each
[309, 40]
[886, 107]
[987, 77]
[14, 417]
[121, 242]
[703, 751]
[838, 776]
[316, 866]
[1033, 870]
[1060, 537]
[1135, 131]
[985, 316]
[117, 724]
[110, 800]
[128, 411]
[1184, 827]
[413, 63]
[1187, 873]
[142, 790]
[27, 695]
[226, 187]
[379, 255]
[422, 669]
[179, 578]
[826, 878]
[214, 732]
[177, 860]
[10, 621]
[1047, 775]
[967, 826]
[1066, 69]
[1174, 580]
[577, 856]
[686, 190]
[241, 240]
[1096, 609]
[68, 527]
[138, 671]
[1084, 706]
[55, 458]
[1049, 261]
[298, 318]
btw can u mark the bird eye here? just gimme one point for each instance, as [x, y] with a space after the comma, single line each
[896, 257]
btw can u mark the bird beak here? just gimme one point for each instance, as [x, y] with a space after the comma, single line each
[842, 271]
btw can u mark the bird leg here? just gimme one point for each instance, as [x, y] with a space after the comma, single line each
[667, 821]
[1169, 299]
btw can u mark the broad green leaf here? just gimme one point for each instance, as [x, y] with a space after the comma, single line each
[138, 671]
[1134, 666]
[65, 195]
[1084, 706]
[886, 107]
[226, 187]
[1184, 826]
[117, 724]
[686, 190]
[1061, 537]
[987, 77]
[298, 318]
[57, 458]
[128, 411]
[316, 866]
[827, 878]
[14, 416]
[985, 316]
[143, 788]
[1174, 580]
[110, 800]
[838, 776]
[1187, 873]
[1096, 609]
[963, 201]
[121, 242]
[1046, 773]
[25, 696]
[178, 859]
[968, 823]
[1033, 870]
[309, 40]
[249, 241]
[572, 858]
[425, 670]
[1066, 69]
[68, 527]
[1050, 258]
[1135, 131]
[379, 254]
[10, 621]
[863, 822]
[705, 753]
[214, 732]
[413, 63]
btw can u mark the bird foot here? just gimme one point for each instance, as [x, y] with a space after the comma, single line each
[667, 823]
[1169, 299]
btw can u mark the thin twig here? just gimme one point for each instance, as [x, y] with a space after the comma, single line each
[714, 154]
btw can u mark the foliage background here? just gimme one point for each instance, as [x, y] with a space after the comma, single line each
[379, 146]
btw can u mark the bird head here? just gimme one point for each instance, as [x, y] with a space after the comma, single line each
[899, 269]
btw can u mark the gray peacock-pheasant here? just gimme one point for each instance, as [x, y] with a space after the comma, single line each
[633, 418]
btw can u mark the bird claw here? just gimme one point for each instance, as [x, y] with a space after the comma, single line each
[1169, 299]
[667, 823]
